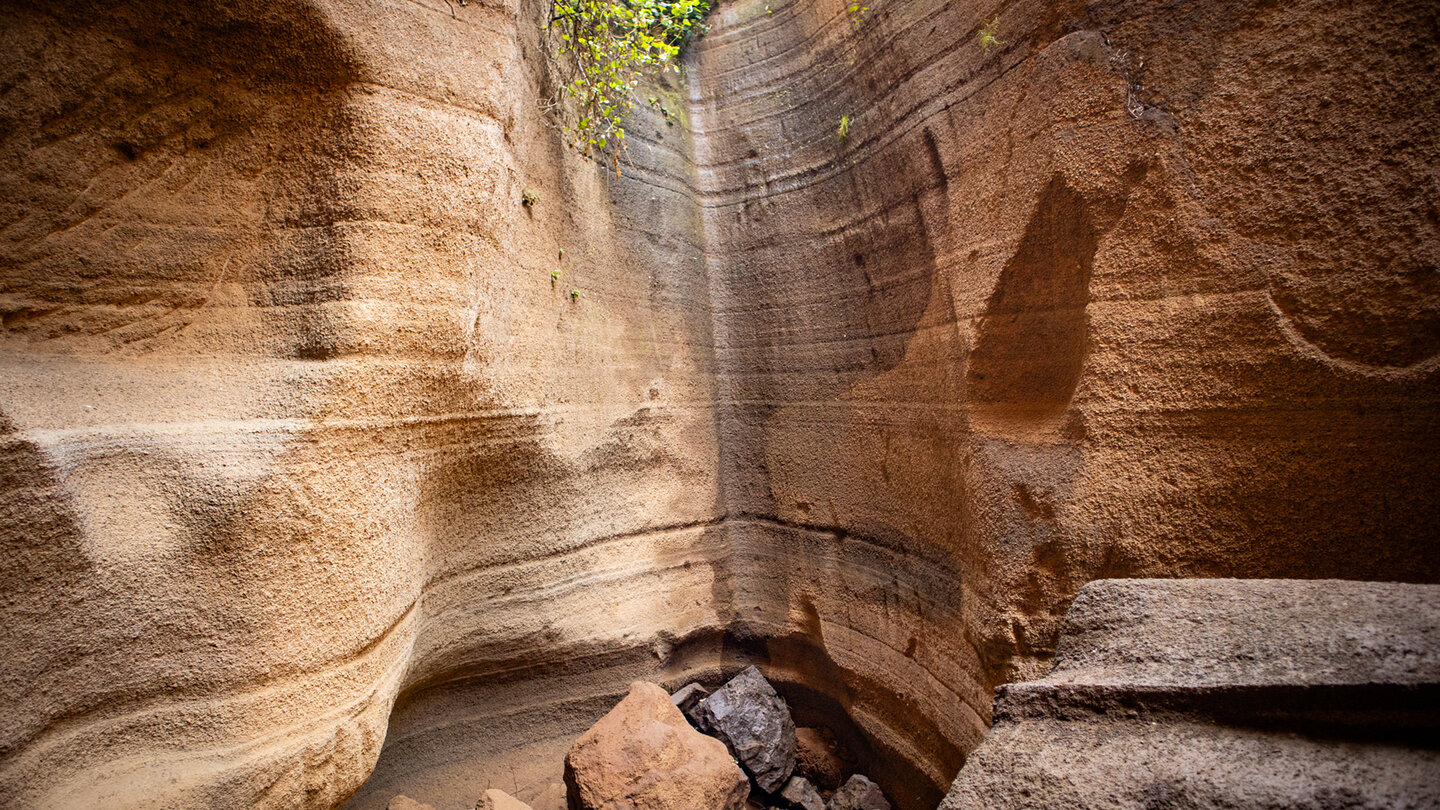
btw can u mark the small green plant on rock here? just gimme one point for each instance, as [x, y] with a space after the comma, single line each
[670, 117]
[857, 14]
[528, 198]
[987, 35]
[574, 295]
[844, 131]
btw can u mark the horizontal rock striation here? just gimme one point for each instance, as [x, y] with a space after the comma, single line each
[295, 420]
[303, 448]
[1101, 299]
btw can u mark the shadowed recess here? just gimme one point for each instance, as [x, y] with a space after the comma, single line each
[1031, 345]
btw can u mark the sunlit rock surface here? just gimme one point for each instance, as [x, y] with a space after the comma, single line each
[305, 451]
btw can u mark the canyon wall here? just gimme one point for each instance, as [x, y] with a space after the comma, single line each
[1142, 290]
[295, 416]
[305, 448]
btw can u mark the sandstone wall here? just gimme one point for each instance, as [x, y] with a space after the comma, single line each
[1145, 290]
[295, 419]
[296, 424]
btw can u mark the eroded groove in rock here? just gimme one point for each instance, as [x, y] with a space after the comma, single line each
[298, 419]
[298, 425]
[1069, 363]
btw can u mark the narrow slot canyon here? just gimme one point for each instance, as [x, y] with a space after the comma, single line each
[361, 439]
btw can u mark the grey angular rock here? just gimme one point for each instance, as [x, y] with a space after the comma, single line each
[754, 723]
[798, 792]
[1196, 653]
[859, 793]
[687, 700]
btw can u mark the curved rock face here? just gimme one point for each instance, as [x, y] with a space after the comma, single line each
[294, 416]
[1106, 299]
[299, 429]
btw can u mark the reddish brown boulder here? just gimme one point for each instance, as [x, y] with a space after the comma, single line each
[645, 754]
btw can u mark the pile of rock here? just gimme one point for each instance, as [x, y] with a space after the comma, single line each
[697, 750]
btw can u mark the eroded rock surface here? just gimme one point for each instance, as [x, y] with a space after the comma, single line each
[1223, 693]
[294, 422]
[799, 793]
[1091, 303]
[645, 754]
[302, 450]
[551, 798]
[818, 759]
[493, 799]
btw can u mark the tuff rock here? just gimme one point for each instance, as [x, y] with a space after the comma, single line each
[551, 798]
[494, 799]
[819, 758]
[314, 486]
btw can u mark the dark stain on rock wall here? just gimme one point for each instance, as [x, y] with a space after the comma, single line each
[1031, 345]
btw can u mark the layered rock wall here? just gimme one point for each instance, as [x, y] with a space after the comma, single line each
[295, 418]
[297, 424]
[1141, 290]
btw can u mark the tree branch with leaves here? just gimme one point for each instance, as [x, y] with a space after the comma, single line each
[603, 49]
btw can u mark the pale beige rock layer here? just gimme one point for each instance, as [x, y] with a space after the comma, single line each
[303, 450]
[295, 419]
